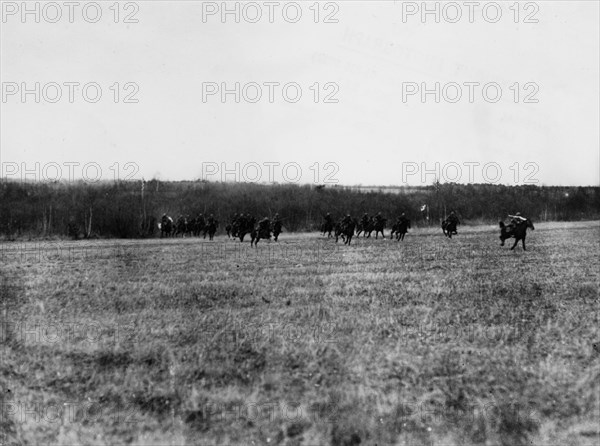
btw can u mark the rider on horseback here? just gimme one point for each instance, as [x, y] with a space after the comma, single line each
[365, 220]
[264, 227]
[452, 218]
[517, 219]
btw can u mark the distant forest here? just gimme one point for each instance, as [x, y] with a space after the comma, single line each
[130, 209]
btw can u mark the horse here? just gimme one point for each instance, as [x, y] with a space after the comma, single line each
[345, 231]
[166, 226]
[449, 228]
[378, 226]
[327, 227]
[363, 227]
[246, 227]
[277, 229]
[518, 231]
[198, 225]
[400, 228]
[257, 233]
[211, 229]
[180, 227]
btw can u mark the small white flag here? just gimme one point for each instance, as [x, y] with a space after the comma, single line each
[423, 208]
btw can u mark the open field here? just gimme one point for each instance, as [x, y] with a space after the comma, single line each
[304, 342]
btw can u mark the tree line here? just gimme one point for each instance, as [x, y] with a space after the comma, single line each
[131, 209]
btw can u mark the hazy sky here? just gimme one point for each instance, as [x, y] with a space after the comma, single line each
[374, 53]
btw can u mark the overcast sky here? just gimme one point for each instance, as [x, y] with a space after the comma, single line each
[374, 52]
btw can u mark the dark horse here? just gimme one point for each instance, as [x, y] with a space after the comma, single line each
[257, 233]
[166, 226]
[326, 228]
[378, 226]
[518, 231]
[245, 227]
[346, 231]
[400, 228]
[449, 228]
[211, 229]
[276, 230]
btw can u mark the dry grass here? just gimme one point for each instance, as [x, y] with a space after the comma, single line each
[429, 341]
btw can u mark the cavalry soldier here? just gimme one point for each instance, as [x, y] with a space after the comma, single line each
[364, 220]
[346, 220]
[452, 218]
[264, 226]
[378, 217]
[516, 219]
[275, 218]
[210, 219]
[328, 218]
[402, 218]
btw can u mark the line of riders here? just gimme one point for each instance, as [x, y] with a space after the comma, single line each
[347, 227]
[238, 227]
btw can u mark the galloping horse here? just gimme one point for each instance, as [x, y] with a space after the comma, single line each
[346, 231]
[166, 226]
[518, 231]
[326, 228]
[211, 229]
[257, 233]
[449, 228]
[378, 226]
[400, 228]
[276, 229]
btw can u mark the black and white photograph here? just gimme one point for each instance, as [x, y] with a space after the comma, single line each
[300, 223]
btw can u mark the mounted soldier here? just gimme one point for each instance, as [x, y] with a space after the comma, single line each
[449, 225]
[327, 225]
[263, 231]
[517, 228]
[346, 221]
[516, 219]
[364, 221]
[276, 227]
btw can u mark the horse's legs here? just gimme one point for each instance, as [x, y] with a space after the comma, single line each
[523, 240]
[515, 244]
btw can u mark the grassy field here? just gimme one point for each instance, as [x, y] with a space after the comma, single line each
[428, 341]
